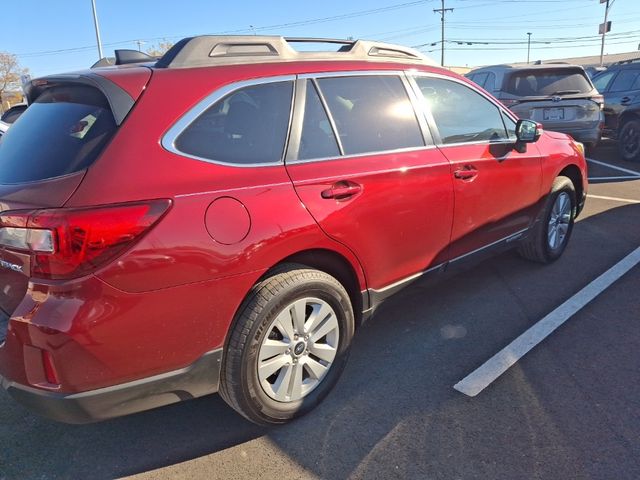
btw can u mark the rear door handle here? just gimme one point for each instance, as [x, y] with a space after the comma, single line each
[342, 190]
[625, 100]
[468, 172]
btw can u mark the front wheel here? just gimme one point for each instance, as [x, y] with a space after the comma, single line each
[629, 140]
[288, 345]
[552, 230]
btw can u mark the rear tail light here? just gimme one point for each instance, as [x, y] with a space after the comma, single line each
[599, 99]
[69, 243]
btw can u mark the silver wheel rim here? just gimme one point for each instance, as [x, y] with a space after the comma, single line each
[298, 350]
[559, 220]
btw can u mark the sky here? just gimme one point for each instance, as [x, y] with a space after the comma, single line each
[59, 36]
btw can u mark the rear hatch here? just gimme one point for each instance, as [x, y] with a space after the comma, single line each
[553, 96]
[44, 157]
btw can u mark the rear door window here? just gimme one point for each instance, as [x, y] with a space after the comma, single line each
[248, 126]
[602, 81]
[62, 132]
[317, 139]
[548, 82]
[371, 113]
[461, 114]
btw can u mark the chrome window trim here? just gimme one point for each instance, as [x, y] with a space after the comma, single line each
[413, 74]
[367, 154]
[169, 138]
[351, 73]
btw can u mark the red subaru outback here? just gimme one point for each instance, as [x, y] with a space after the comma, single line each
[225, 218]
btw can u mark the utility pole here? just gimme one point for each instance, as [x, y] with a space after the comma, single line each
[604, 28]
[140, 43]
[442, 11]
[528, 46]
[95, 23]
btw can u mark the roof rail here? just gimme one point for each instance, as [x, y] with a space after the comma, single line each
[210, 50]
[624, 62]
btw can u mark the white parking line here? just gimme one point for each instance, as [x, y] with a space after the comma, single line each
[626, 177]
[615, 167]
[614, 199]
[483, 376]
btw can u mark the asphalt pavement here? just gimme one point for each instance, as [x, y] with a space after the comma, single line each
[569, 409]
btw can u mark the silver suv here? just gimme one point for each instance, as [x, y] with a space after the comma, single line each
[559, 96]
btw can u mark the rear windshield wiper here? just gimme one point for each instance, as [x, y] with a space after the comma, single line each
[565, 92]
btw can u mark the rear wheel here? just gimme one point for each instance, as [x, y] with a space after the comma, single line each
[288, 345]
[552, 230]
[629, 140]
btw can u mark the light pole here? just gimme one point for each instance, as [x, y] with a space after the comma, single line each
[528, 46]
[604, 25]
[95, 23]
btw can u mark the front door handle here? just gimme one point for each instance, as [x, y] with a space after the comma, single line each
[625, 100]
[342, 190]
[468, 172]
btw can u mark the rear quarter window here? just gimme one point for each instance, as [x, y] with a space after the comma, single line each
[547, 82]
[248, 126]
[62, 132]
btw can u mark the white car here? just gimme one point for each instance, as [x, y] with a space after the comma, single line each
[3, 128]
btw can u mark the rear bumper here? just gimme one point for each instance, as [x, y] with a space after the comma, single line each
[584, 135]
[198, 379]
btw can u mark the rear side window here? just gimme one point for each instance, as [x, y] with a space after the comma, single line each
[461, 114]
[479, 78]
[62, 132]
[371, 113]
[248, 126]
[602, 80]
[625, 81]
[548, 82]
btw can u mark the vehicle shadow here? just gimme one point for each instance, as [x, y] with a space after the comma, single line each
[393, 414]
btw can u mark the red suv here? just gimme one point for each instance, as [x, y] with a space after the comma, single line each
[225, 218]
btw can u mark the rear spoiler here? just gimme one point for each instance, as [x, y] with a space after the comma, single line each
[119, 100]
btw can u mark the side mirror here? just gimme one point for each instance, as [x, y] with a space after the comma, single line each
[527, 131]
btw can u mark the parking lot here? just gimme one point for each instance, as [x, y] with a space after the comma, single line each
[570, 408]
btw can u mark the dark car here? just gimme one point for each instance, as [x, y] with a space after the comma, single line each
[620, 85]
[13, 113]
[226, 218]
[560, 96]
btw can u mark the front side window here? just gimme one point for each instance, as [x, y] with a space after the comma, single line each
[371, 113]
[625, 80]
[460, 113]
[248, 126]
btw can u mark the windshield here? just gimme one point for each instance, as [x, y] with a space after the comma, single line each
[548, 82]
[62, 132]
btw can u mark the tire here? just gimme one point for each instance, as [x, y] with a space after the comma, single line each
[629, 140]
[541, 245]
[263, 326]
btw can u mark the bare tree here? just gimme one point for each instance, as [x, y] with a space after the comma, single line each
[159, 49]
[10, 72]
